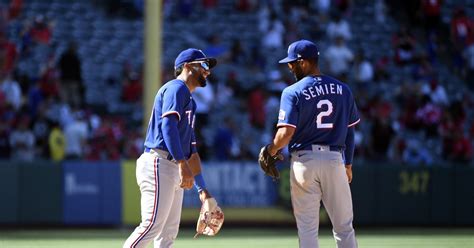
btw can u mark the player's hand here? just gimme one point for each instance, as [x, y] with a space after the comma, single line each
[203, 195]
[349, 172]
[185, 175]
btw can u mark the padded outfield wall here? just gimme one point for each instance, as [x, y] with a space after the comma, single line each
[106, 193]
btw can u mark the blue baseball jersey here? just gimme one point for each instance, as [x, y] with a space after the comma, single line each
[321, 108]
[173, 98]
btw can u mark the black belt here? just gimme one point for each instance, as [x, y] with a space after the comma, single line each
[162, 153]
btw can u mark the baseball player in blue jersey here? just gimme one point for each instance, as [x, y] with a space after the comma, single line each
[316, 120]
[170, 162]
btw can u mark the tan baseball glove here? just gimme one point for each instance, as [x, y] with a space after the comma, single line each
[210, 219]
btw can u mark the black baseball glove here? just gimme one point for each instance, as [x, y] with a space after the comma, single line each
[268, 162]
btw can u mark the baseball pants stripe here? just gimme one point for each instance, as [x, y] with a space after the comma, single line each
[155, 206]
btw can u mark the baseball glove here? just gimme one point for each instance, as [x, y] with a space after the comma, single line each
[210, 219]
[268, 162]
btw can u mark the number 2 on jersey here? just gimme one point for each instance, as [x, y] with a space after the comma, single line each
[319, 117]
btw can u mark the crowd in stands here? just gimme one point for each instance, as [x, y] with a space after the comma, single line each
[415, 98]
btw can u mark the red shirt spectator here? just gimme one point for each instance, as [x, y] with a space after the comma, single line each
[41, 32]
[256, 106]
[209, 4]
[404, 44]
[245, 5]
[462, 33]
[461, 149]
[431, 8]
[15, 9]
[8, 55]
[132, 90]
[49, 83]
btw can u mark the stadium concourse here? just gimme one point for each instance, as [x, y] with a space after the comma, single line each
[412, 74]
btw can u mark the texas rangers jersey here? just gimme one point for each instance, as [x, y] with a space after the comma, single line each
[321, 109]
[173, 98]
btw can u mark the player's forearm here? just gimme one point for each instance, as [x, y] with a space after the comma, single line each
[199, 182]
[195, 164]
[171, 137]
[350, 146]
[282, 139]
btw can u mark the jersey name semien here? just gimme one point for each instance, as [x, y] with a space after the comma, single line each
[321, 90]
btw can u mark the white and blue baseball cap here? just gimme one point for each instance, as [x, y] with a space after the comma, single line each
[302, 49]
[193, 54]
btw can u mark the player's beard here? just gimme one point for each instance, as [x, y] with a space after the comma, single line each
[298, 72]
[202, 80]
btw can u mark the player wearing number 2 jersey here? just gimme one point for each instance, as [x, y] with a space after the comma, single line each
[316, 120]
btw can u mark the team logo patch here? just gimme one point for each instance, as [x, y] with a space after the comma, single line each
[281, 115]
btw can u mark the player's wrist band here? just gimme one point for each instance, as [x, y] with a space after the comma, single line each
[199, 183]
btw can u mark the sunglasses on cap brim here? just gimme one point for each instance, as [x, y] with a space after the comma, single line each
[203, 64]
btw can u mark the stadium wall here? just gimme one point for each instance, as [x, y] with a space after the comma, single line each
[106, 193]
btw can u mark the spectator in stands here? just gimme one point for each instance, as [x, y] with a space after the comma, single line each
[461, 148]
[436, 92]
[450, 125]
[225, 90]
[49, 79]
[381, 71]
[469, 57]
[71, 79]
[76, 134]
[416, 153]
[339, 57]
[8, 55]
[343, 6]
[225, 142]
[41, 30]
[462, 32]
[205, 101]
[215, 48]
[429, 116]
[338, 27]
[423, 70]
[209, 4]
[381, 136]
[238, 55]
[4, 20]
[23, 140]
[57, 143]
[4, 141]
[256, 107]
[41, 130]
[272, 39]
[322, 7]
[11, 90]
[14, 10]
[133, 145]
[404, 44]
[245, 5]
[462, 35]
[431, 13]
[105, 141]
[380, 10]
[363, 69]
[132, 88]
[292, 32]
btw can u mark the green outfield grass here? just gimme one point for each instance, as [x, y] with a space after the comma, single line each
[242, 238]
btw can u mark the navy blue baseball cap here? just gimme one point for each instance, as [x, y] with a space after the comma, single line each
[193, 54]
[302, 49]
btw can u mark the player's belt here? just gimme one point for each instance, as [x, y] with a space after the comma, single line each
[323, 148]
[160, 153]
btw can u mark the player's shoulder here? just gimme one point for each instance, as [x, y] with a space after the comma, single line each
[174, 86]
